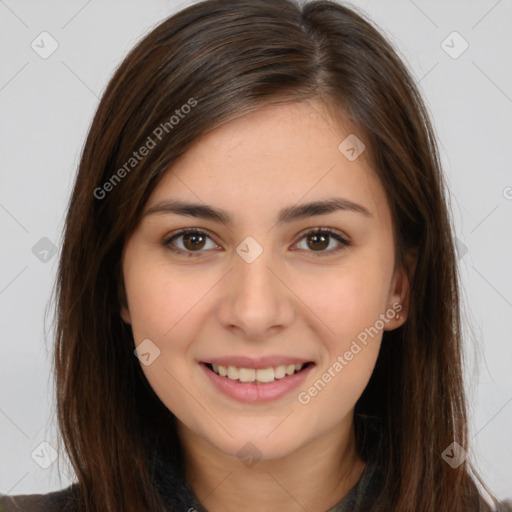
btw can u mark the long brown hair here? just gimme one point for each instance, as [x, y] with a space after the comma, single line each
[221, 59]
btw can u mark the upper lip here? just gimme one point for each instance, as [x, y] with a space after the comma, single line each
[256, 362]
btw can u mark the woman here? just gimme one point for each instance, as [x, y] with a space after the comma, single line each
[258, 301]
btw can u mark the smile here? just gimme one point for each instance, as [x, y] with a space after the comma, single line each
[256, 385]
[261, 375]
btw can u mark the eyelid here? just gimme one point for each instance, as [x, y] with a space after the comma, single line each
[342, 239]
[185, 231]
[321, 229]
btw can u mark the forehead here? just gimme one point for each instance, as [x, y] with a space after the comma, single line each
[275, 156]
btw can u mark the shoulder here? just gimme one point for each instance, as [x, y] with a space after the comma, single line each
[65, 500]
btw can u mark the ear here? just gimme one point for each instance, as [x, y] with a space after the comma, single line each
[124, 311]
[125, 314]
[399, 293]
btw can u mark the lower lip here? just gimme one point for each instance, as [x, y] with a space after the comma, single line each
[257, 393]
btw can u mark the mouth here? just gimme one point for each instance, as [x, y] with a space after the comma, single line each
[259, 376]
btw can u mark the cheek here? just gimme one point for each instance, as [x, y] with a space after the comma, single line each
[161, 306]
[158, 298]
[346, 298]
[349, 308]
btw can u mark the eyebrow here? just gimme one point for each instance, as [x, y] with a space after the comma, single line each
[286, 215]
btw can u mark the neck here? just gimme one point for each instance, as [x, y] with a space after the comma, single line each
[314, 477]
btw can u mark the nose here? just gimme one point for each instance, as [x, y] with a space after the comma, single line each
[256, 300]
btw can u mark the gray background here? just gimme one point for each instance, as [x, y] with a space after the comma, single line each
[46, 106]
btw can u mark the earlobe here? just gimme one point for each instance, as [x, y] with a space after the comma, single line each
[398, 310]
[399, 299]
[122, 300]
[125, 315]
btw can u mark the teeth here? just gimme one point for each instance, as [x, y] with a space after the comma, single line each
[265, 375]
[279, 371]
[260, 375]
[232, 372]
[246, 374]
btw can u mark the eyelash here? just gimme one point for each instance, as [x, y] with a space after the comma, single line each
[343, 243]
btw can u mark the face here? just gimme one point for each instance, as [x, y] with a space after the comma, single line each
[262, 283]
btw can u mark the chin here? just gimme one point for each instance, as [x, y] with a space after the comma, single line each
[263, 441]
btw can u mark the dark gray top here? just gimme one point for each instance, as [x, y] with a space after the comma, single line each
[179, 496]
[174, 490]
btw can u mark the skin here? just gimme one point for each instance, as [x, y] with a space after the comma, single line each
[294, 299]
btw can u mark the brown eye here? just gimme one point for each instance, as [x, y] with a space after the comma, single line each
[192, 241]
[320, 239]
